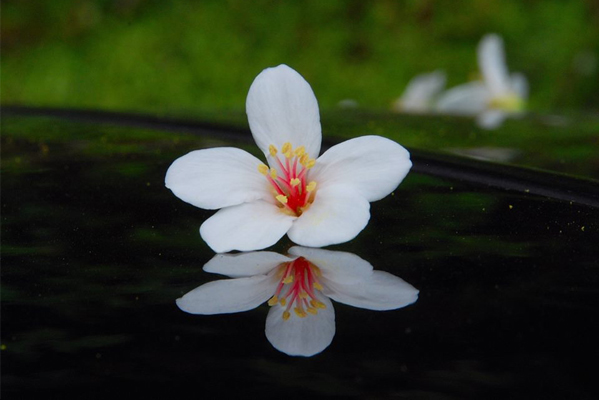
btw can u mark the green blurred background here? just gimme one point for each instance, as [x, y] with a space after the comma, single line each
[187, 57]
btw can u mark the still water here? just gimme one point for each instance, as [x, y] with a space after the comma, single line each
[95, 252]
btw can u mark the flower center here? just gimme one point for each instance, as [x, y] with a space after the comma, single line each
[296, 289]
[291, 188]
[509, 102]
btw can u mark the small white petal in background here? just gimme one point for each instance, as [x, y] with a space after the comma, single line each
[421, 92]
[301, 321]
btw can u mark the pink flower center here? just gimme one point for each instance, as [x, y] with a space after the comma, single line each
[297, 288]
[289, 181]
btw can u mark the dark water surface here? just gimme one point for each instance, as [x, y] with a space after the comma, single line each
[95, 250]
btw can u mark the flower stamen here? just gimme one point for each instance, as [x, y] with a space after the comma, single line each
[296, 289]
[291, 190]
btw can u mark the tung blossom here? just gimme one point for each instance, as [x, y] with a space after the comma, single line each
[421, 93]
[317, 201]
[298, 289]
[493, 98]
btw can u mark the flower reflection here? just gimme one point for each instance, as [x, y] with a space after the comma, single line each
[298, 289]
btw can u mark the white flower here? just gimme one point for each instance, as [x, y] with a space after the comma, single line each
[301, 319]
[316, 201]
[494, 98]
[420, 93]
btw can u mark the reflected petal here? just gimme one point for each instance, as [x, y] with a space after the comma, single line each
[301, 336]
[228, 295]
[245, 264]
[337, 266]
[381, 291]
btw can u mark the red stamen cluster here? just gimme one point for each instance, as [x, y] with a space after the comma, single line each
[297, 287]
[290, 181]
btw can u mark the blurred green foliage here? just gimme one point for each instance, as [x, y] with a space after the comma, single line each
[188, 57]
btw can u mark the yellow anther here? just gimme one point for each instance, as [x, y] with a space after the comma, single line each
[303, 295]
[299, 312]
[317, 286]
[289, 279]
[300, 151]
[282, 199]
[311, 186]
[288, 154]
[286, 315]
[310, 163]
[294, 182]
[262, 168]
[273, 173]
[272, 150]
[283, 301]
[272, 301]
[304, 159]
[287, 147]
[311, 310]
[317, 304]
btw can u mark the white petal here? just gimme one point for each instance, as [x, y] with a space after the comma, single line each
[380, 291]
[245, 264]
[420, 92]
[491, 119]
[371, 165]
[468, 99]
[301, 336]
[490, 54]
[246, 227]
[337, 215]
[519, 85]
[217, 178]
[282, 107]
[337, 266]
[228, 295]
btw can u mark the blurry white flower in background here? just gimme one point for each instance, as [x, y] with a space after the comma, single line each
[495, 97]
[421, 93]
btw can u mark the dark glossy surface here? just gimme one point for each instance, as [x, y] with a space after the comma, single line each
[95, 251]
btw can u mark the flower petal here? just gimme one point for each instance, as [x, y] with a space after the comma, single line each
[228, 295]
[337, 215]
[282, 107]
[491, 119]
[519, 85]
[245, 264]
[380, 291]
[245, 227]
[420, 92]
[301, 336]
[217, 178]
[490, 54]
[467, 99]
[337, 266]
[371, 165]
